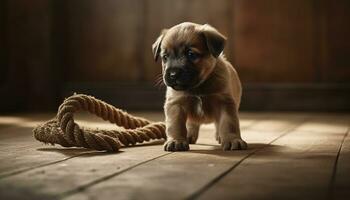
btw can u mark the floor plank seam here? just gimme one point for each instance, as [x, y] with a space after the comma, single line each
[211, 183]
[40, 166]
[86, 186]
[335, 166]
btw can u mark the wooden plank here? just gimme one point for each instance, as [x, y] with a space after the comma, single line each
[296, 166]
[178, 175]
[16, 141]
[30, 76]
[4, 69]
[13, 138]
[72, 173]
[271, 40]
[327, 123]
[20, 152]
[296, 97]
[337, 41]
[103, 43]
[106, 165]
[341, 187]
[3, 126]
[23, 120]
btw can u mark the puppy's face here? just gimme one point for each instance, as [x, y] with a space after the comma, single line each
[188, 52]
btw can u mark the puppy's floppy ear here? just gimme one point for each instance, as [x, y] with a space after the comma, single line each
[156, 45]
[214, 39]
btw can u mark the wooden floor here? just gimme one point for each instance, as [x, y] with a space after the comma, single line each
[290, 156]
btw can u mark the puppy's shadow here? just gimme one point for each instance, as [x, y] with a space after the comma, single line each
[252, 147]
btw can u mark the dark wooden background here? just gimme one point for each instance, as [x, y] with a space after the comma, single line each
[291, 54]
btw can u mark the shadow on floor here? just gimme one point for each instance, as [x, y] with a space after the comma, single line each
[216, 149]
[82, 152]
[252, 147]
[72, 152]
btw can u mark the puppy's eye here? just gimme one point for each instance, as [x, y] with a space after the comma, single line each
[192, 55]
[165, 57]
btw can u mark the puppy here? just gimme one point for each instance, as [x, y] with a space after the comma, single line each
[202, 86]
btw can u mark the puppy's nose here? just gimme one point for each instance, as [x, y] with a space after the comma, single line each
[175, 73]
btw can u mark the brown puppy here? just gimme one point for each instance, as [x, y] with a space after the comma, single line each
[202, 86]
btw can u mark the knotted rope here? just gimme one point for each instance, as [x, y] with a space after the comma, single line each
[64, 131]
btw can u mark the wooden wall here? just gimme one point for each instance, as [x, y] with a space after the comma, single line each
[111, 40]
[286, 52]
[26, 70]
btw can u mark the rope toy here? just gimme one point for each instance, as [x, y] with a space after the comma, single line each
[64, 131]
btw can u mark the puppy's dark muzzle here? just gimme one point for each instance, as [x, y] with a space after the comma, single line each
[179, 78]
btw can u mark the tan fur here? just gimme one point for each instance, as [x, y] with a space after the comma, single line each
[216, 98]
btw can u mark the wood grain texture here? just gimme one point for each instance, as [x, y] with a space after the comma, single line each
[337, 41]
[296, 166]
[19, 152]
[274, 40]
[48, 45]
[291, 155]
[3, 42]
[51, 165]
[77, 173]
[16, 139]
[25, 47]
[179, 175]
[103, 42]
[341, 187]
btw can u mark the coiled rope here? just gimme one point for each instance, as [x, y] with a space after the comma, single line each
[64, 131]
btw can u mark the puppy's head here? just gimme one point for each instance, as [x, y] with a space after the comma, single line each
[188, 52]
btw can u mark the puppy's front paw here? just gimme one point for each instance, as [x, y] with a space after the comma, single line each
[233, 144]
[176, 145]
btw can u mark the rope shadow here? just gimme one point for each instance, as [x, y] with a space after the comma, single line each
[73, 152]
[84, 152]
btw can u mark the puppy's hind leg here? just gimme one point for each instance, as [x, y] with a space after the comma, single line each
[192, 132]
